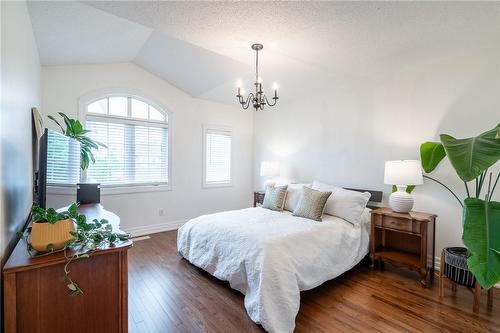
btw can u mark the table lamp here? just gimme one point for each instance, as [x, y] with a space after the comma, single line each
[269, 169]
[402, 173]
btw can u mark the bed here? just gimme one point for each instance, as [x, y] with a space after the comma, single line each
[271, 256]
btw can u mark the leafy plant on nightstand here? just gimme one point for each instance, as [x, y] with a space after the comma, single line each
[471, 158]
[75, 130]
[79, 242]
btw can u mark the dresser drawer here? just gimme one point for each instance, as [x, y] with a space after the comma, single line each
[390, 222]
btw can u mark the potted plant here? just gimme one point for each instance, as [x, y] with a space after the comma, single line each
[50, 229]
[75, 130]
[78, 241]
[471, 158]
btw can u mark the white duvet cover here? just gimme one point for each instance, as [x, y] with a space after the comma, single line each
[271, 256]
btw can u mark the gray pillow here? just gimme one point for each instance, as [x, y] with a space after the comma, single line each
[311, 204]
[274, 198]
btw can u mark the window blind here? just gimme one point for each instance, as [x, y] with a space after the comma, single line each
[217, 157]
[136, 154]
[63, 159]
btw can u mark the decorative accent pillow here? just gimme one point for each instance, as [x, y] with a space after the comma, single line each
[311, 204]
[293, 196]
[343, 203]
[274, 198]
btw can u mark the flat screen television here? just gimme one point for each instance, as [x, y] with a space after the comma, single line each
[58, 163]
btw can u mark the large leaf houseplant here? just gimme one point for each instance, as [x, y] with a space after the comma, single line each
[74, 129]
[472, 158]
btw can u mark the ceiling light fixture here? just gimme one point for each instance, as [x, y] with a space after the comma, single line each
[259, 99]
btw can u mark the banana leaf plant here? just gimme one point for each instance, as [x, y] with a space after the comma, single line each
[75, 130]
[471, 158]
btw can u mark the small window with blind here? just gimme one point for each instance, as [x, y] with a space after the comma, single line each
[217, 163]
[136, 134]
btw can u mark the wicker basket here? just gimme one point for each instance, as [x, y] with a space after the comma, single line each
[455, 266]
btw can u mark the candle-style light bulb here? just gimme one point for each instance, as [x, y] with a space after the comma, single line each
[275, 87]
[239, 85]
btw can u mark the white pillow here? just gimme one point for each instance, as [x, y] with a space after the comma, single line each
[366, 216]
[343, 203]
[293, 195]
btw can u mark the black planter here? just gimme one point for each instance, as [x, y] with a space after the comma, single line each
[455, 266]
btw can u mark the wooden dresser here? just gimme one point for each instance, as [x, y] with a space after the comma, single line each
[404, 239]
[36, 300]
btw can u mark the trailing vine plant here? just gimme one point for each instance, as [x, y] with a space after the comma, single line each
[88, 237]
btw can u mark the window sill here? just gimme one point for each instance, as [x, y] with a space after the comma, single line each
[206, 186]
[71, 190]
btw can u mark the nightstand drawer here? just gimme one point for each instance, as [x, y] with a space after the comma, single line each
[400, 224]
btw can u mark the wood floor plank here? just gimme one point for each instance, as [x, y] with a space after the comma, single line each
[168, 294]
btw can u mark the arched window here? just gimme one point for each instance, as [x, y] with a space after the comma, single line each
[136, 134]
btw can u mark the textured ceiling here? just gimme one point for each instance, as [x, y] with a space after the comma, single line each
[204, 47]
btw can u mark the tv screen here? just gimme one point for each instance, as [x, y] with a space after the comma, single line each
[58, 164]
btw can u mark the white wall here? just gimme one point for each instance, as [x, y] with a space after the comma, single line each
[62, 86]
[343, 133]
[20, 91]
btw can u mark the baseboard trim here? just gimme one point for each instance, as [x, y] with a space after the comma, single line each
[154, 228]
[437, 266]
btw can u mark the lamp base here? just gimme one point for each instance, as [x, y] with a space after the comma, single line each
[269, 182]
[401, 201]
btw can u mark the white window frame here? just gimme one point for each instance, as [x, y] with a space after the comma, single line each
[87, 99]
[223, 130]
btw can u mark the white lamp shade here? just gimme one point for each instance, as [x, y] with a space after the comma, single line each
[403, 172]
[269, 169]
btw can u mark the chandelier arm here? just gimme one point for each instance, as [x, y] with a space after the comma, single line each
[247, 103]
[267, 101]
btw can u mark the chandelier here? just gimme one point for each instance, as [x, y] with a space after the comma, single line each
[259, 99]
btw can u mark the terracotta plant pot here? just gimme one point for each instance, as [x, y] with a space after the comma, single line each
[57, 234]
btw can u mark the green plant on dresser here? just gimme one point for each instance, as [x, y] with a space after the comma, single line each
[77, 242]
[472, 158]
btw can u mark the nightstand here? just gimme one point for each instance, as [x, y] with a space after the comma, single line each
[258, 197]
[404, 239]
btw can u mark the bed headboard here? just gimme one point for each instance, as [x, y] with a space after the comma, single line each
[376, 196]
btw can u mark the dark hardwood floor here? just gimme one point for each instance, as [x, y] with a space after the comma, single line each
[167, 294]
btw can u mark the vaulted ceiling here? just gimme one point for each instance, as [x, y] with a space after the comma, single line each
[203, 48]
